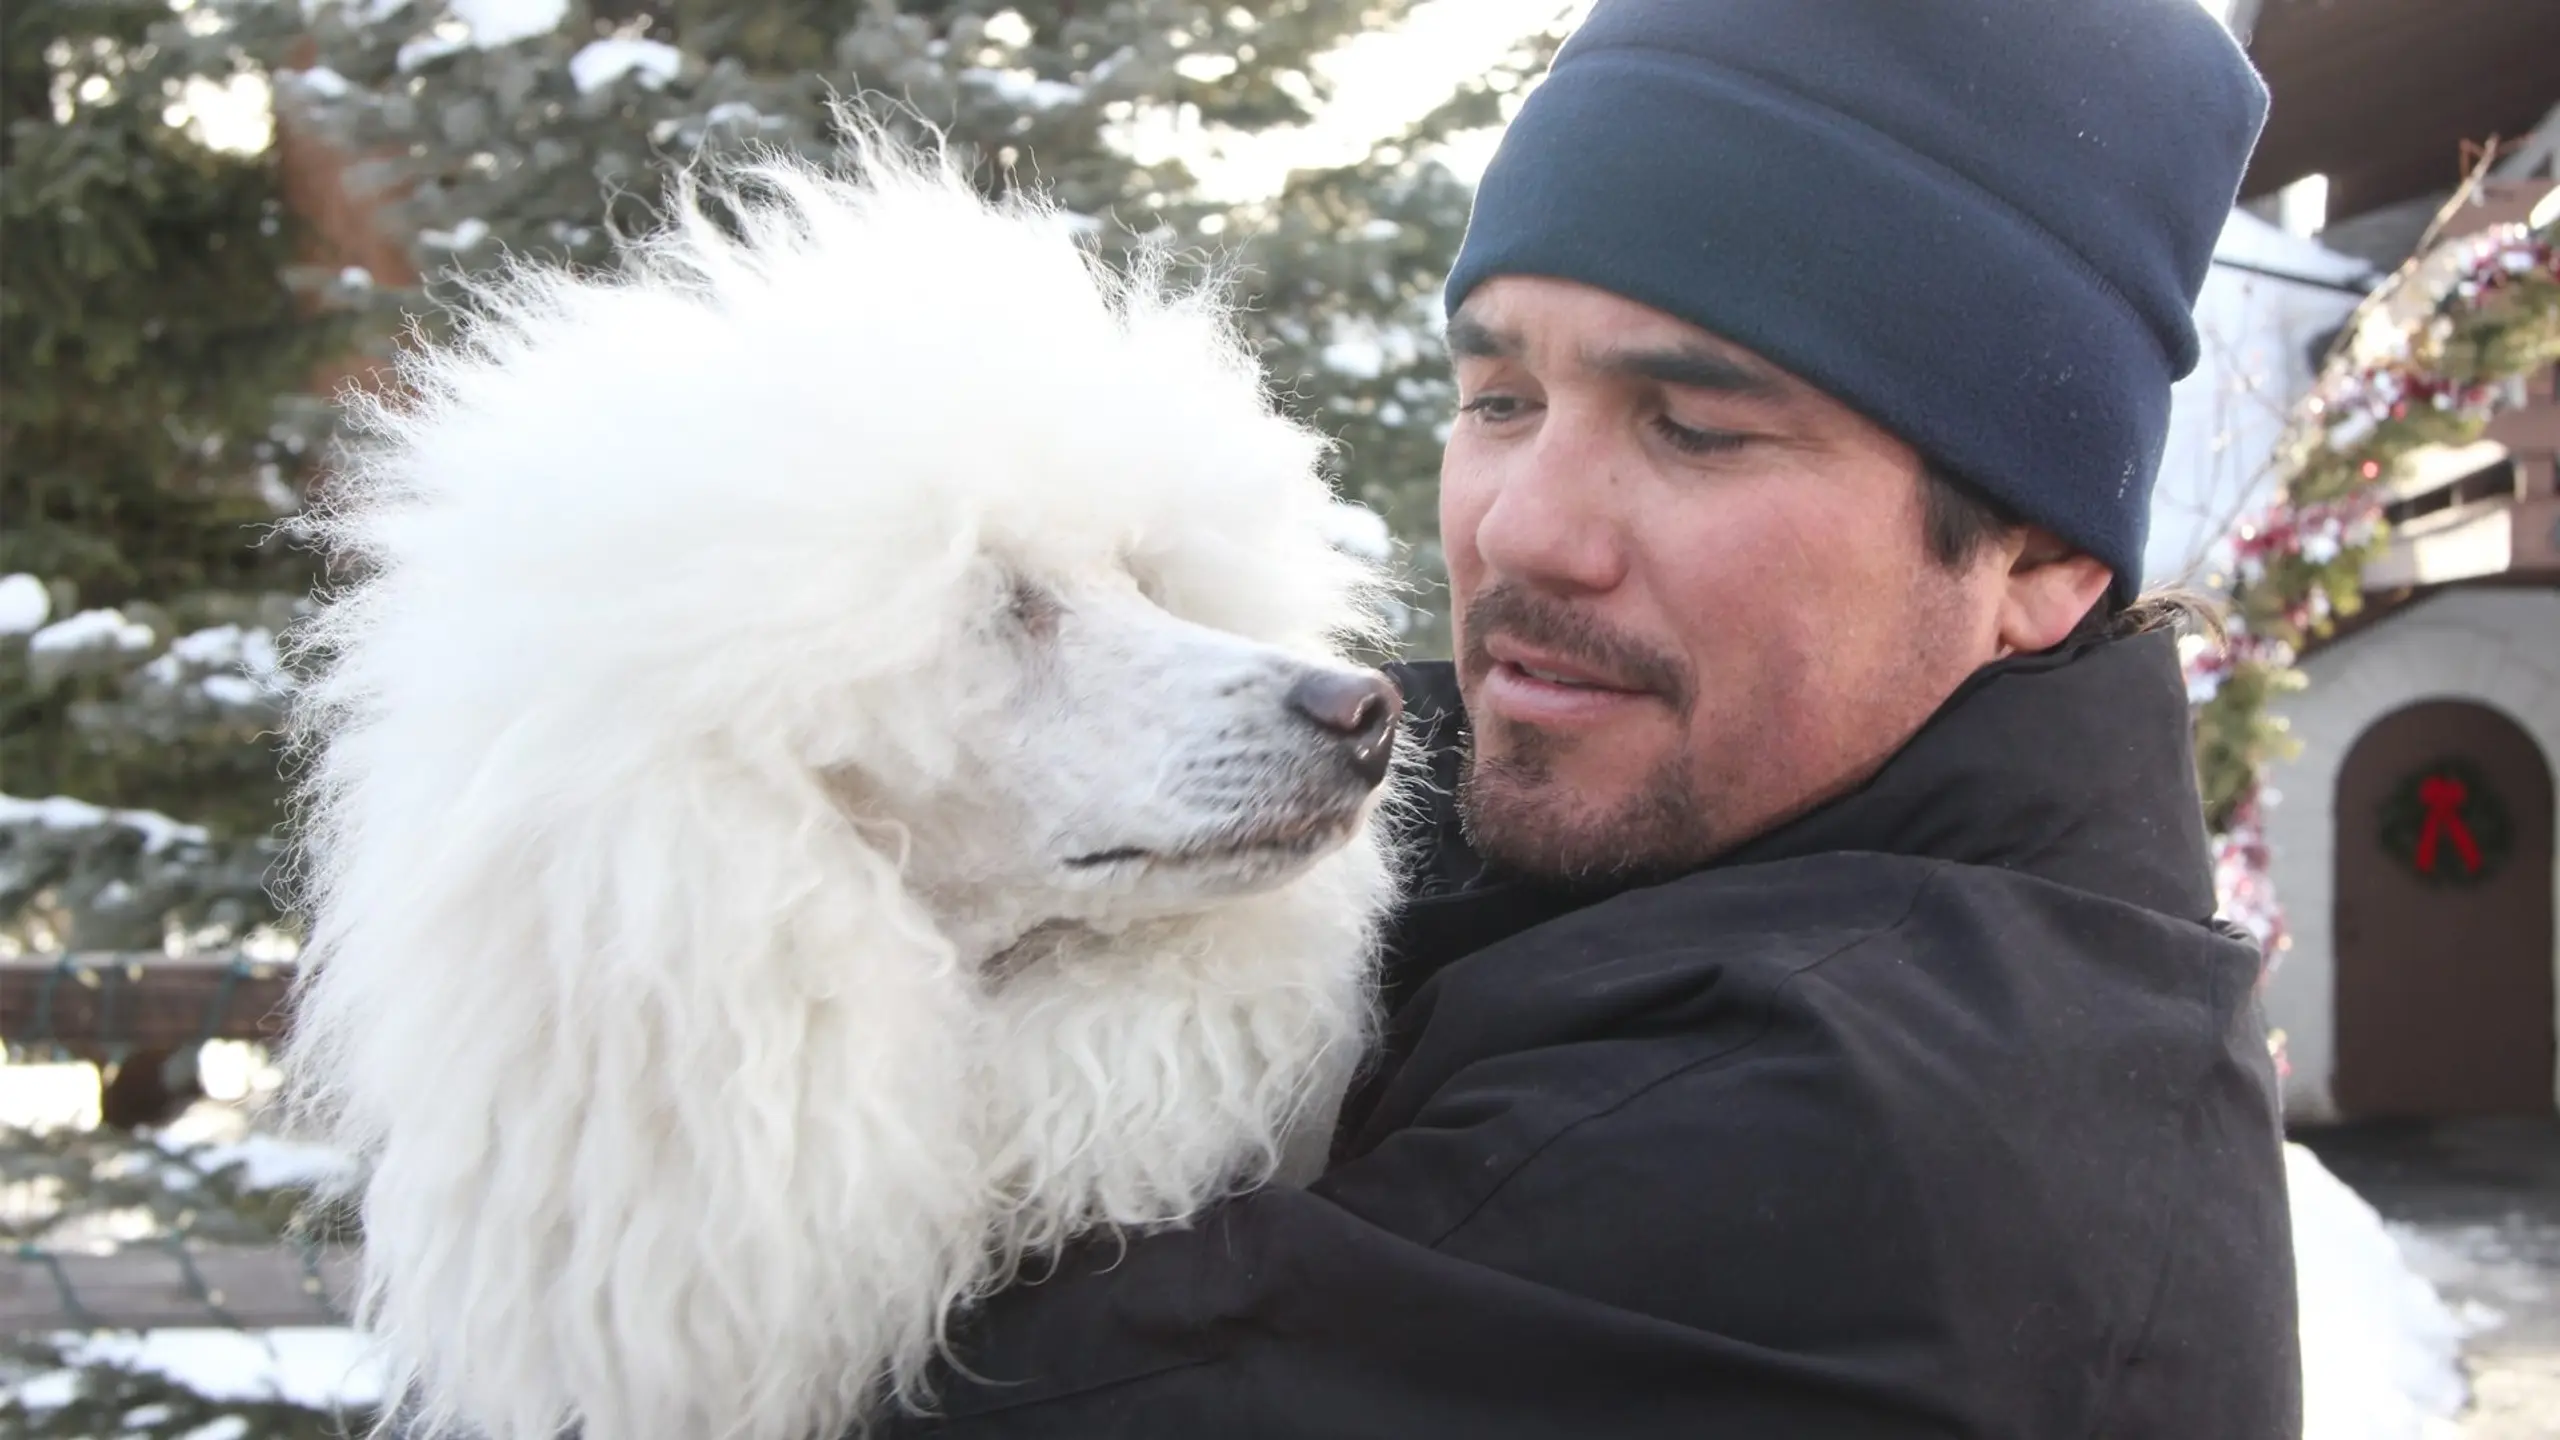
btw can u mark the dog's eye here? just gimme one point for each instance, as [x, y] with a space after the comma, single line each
[1033, 607]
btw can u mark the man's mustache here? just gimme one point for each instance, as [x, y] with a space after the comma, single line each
[1570, 634]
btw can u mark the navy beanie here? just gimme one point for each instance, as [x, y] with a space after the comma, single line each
[1981, 223]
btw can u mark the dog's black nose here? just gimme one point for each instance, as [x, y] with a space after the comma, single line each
[1358, 706]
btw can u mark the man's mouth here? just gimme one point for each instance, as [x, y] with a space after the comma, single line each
[1534, 661]
[1557, 677]
[1552, 669]
[1553, 691]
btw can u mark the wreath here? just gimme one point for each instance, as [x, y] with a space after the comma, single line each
[2445, 824]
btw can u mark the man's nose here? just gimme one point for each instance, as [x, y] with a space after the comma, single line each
[1550, 524]
[1358, 708]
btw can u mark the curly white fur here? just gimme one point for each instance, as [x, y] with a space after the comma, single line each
[714, 775]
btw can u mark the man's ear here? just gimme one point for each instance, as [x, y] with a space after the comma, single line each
[2050, 588]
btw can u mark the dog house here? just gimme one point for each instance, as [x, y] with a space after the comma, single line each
[2413, 850]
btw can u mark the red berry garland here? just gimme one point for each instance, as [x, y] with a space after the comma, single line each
[2490, 313]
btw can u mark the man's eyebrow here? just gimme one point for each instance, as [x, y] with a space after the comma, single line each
[1688, 367]
[1693, 367]
[1471, 339]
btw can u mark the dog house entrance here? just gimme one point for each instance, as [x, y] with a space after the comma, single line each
[2443, 917]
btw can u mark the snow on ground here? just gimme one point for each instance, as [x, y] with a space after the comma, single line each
[2481, 1259]
[2381, 1354]
[266, 1162]
[320, 1368]
[2502, 1275]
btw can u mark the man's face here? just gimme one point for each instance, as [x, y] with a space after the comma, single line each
[1693, 594]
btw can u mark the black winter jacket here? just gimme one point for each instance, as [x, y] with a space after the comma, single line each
[1941, 1111]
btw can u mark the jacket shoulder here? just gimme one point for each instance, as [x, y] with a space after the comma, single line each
[1855, 1098]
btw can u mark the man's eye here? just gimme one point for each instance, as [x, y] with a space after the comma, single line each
[1690, 441]
[1495, 409]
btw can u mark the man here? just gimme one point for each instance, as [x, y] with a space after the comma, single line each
[1807, 1018]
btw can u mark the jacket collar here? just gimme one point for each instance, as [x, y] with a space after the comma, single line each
[2075, 765]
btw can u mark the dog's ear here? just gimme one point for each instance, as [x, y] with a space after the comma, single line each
[657, 1080]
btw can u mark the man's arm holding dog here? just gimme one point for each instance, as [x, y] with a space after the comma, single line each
[1723, 1189]
[1336, 1311]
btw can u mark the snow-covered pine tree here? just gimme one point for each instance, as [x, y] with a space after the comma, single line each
[151, 332]
[148, 288]
[544, 127]
[1341, 274]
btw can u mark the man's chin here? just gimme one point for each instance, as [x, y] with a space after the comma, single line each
[1528, 812]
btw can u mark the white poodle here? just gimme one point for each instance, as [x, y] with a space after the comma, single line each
[835, 773]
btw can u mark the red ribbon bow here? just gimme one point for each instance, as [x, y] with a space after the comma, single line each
[2444, 796]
